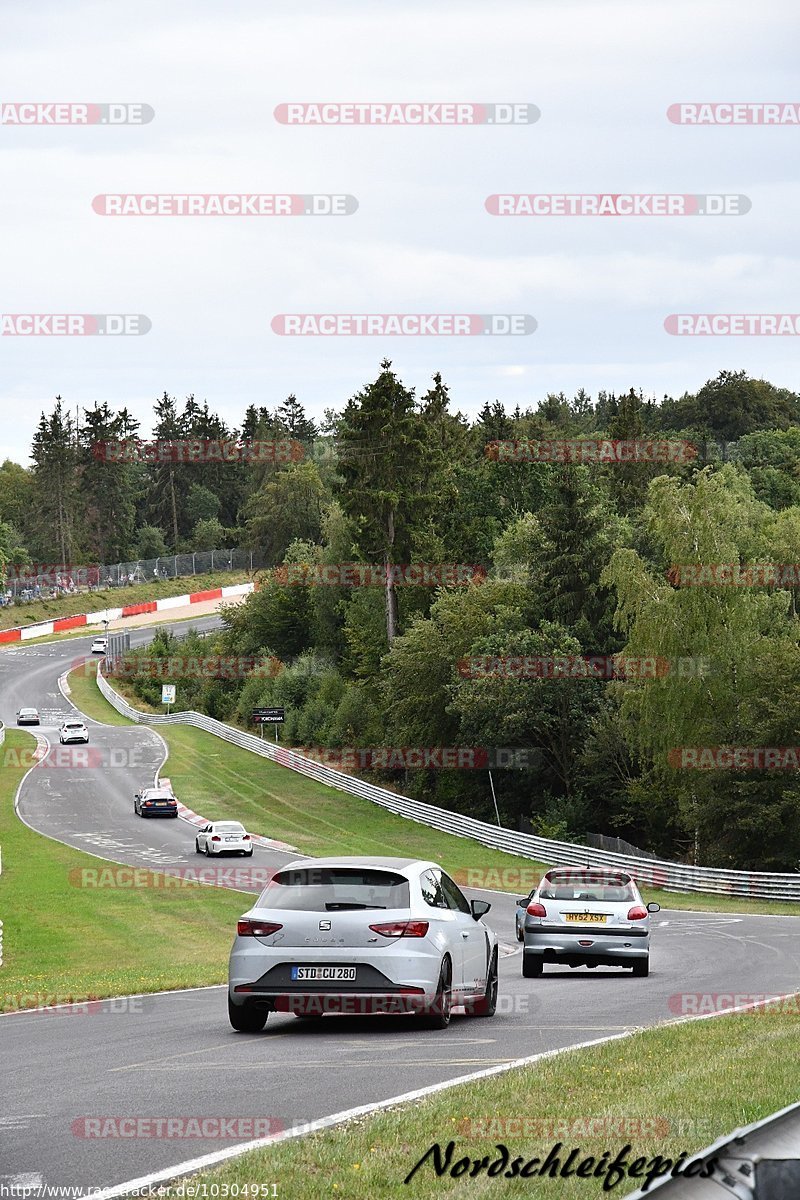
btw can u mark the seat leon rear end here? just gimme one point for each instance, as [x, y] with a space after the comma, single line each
[362, 936]
[586, 917]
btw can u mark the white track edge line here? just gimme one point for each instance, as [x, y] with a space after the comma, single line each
[220, 1156]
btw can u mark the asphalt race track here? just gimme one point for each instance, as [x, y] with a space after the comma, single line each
[174, 1055]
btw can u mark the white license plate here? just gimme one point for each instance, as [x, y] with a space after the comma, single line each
[232, 839]
[331, 974]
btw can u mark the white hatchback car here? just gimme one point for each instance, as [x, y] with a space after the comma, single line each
[362, 935]
[99, 645]
[72, 731]
[223, 837]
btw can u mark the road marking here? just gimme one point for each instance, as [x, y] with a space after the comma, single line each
[191, 1166]
[209, 987]
[264, 1064]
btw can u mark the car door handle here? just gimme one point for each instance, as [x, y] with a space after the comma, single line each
[465, 933]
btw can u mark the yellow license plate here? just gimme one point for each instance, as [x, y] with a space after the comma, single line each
[586, 918]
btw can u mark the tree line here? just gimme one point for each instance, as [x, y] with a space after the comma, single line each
[574, 560]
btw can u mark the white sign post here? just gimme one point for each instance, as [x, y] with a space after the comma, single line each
[168, 694]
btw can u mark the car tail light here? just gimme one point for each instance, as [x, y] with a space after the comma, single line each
[245, 837]
[247, 928]
[536, 910]
[637, 913]
[401, 928]
[216, 839]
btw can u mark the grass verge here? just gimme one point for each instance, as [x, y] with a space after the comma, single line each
[220, 780]
[62, 940]
[138, 593]
[651, 1092]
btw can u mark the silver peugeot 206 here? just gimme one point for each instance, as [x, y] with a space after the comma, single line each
[586, 917]
[358, 936]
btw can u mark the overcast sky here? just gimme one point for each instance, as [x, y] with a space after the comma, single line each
[603, 75]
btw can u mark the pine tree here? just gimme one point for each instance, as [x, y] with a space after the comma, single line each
[384, 457]
[54, 455]
[167, 485]
[107, 488]
[293, 416]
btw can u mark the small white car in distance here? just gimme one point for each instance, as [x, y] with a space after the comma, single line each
[223, 837]
[73, 731]
[99, 645]
[362, 935]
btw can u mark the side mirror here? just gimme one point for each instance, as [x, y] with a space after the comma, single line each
[523, 900]
[653, 907]
[479, 908]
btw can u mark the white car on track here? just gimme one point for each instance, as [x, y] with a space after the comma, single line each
[99, 645]
[362, 935]
[223, 837]
[72, 731]
[586, 917]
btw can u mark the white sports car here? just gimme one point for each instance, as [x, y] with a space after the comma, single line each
[72, 731]
[362, 935]
[223, 837]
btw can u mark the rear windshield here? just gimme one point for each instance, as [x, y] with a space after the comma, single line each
[229, 827]
[591, 886]
[328, 889]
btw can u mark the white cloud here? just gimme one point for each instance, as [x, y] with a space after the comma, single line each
[603, 76]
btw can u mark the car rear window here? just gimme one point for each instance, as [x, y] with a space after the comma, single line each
[591, 885]
[325, 889]
[229, 827]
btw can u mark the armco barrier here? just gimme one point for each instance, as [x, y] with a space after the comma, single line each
[24, 633]
[672, 877]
